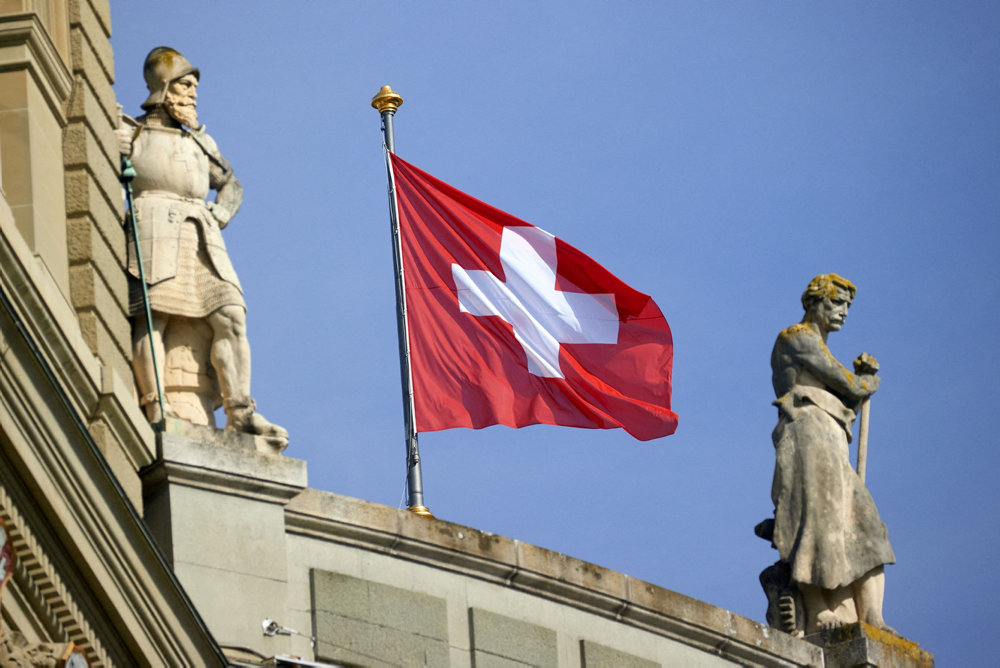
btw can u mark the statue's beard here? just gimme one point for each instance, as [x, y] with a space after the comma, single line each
[182, 109]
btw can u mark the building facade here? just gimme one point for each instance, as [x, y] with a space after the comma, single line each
[87, 577]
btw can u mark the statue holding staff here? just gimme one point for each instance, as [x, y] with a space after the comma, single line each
[192, 286]
[831, 541]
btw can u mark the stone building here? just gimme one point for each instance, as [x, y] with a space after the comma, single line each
[117, 560]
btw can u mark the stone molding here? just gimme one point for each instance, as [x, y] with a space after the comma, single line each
[53, 325]
[534, 570]
[24, 44]
[48, 381]
[47, 315]
[225, 462]
[45, 589]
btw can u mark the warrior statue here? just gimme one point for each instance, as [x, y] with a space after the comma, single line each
[827, 531]
[195, 297]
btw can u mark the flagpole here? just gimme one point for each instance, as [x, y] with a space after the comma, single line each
[386, 102]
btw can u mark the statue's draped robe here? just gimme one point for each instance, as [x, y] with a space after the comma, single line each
[826, 525]
[187, 268]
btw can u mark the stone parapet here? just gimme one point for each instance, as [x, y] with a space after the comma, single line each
[863, 646]
[227, 462]
[526, 569]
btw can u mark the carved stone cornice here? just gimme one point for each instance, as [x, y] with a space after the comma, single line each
[25, 44]
[42, 588]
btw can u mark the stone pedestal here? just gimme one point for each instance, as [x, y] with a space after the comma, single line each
[215, 505]
[863, 646]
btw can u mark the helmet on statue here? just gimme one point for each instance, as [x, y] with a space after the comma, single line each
[163, 65]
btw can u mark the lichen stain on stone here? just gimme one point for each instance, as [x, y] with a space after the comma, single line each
[486, 542]
[900, 645]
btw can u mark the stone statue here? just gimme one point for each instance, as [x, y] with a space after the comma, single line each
[198, 312]
[831, 541]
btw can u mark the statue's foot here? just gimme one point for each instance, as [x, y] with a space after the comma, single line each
[151, 406]
[242, 416]
[826, 621]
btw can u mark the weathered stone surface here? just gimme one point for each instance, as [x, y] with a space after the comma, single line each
[95, 150]
[568, 570]
[593, 655]
[85, 196]
[863, 645]
[85, 17]
[31, 137]
[213, 590]
[475, 569]
[88, 246]
[96, 106]
[498, 640]
[189, 384]
[90, 292]
[100, 8]
[215, 505]
[375, 624]
[379, 604]
[102, 342]
[230, 453]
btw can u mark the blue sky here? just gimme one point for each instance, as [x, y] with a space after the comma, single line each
[714, 155]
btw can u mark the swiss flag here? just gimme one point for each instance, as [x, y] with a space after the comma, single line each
[509, 325]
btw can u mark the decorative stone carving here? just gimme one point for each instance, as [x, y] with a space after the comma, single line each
[17, 652]
[202, 355]
[831, 541]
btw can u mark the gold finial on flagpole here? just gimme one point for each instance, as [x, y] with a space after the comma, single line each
[387, 100]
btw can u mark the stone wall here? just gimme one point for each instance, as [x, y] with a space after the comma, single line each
[59, 182]
[348, 582]
[96, 241]
[378, 586]
[94, 205]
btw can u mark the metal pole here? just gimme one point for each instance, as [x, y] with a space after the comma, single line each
[128, 173]
[386, 102]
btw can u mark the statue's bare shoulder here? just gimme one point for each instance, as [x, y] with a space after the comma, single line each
[798, 339]
[801, 357]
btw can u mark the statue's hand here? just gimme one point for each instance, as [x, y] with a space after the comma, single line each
[870, 382]
[124, 136]
[125, 132]
[865, 364]
[221, 214]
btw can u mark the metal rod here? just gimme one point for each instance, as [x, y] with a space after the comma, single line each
[386, 102]
[128, 173]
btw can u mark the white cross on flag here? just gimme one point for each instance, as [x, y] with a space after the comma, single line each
[509, 325]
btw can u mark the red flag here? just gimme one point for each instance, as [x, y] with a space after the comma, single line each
[509, 325]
